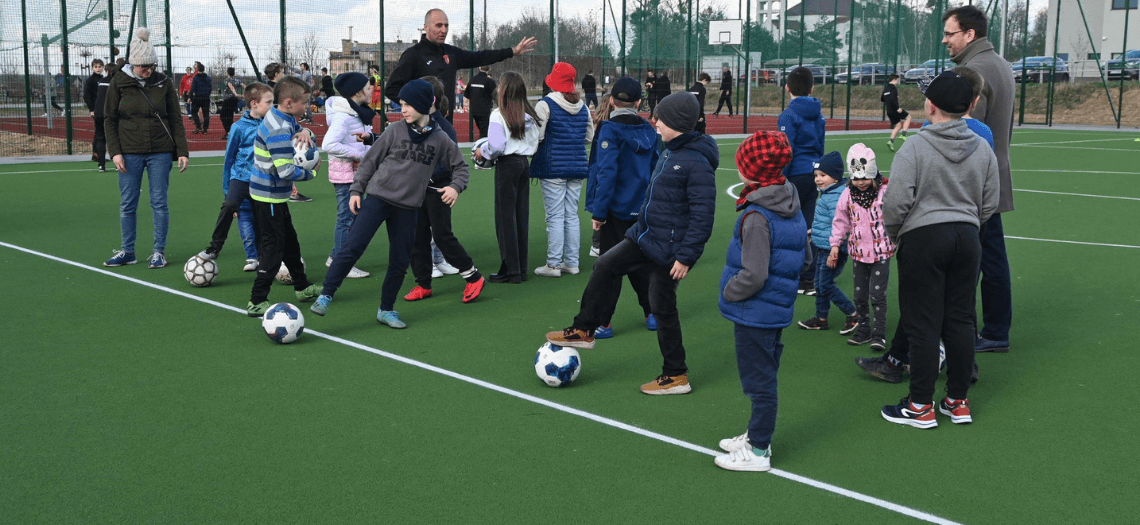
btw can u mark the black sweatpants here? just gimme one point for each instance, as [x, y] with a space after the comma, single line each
[724, 99]
[226, 113]
[938, 270]
[99, 145]
[481, 123]
[200, 104]
[602, 294]
[512, 214]
[276, 243]
[435, 223]
[611, 234]
[238, 192]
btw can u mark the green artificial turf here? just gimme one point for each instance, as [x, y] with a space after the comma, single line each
[123, 403]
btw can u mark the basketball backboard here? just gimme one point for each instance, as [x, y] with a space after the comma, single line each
[726, 32]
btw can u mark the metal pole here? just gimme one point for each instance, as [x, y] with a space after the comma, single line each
[141, 6]
[747, 64]
[27, 67]
[470, 71]
[1123, 60]
[1004, 14]
[623, 41]
[553, 43]
[602, 68]
[169, 50]
[1024, 75]
[850, 52]
[66, 73]
[244, 42]
[803, 29]
[835, 58]
[780, 55]
[1103, 78]
[1053, 70]
[689, 49]
[283, 41]
[110, 30]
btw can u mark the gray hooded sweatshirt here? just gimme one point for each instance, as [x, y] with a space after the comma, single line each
[945, 173]
[756, 252]
[995, 107]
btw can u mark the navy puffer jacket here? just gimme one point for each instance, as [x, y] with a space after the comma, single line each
[676, 217]
[562, 153]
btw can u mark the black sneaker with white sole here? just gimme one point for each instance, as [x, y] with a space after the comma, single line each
[815, 323]
[881, 368]
[850, 324]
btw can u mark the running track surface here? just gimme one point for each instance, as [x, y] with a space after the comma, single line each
[84, 128]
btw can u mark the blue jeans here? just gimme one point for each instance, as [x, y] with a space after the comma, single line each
[758, 352]
[997, 294]
[344, 217]
[826, 292]
[563, 230]
[157, 166]
[245, 229]
[401, 236]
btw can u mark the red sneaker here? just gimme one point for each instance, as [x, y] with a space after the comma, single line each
[417, 293]
[472, 290]
[959, 411]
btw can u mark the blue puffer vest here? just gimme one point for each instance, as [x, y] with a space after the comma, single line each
[562, 153]
[774, 305]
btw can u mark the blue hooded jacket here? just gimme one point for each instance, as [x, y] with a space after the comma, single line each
[239, 151]
[621, 166]
[804, 125]
[825, 214]
[676, 217]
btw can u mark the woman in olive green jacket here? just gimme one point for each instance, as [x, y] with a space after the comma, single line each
[143, 124]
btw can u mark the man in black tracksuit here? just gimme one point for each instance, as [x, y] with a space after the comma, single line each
[698, 90]
[90, 94]
[432, 57]
[725, 92]
[590, 88]
[481, 92]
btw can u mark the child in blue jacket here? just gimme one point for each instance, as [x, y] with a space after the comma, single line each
[804, 125]
[758, 288]
[830, 181]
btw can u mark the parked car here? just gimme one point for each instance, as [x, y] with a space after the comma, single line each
[822, 74]
[1130, 69]
[866, 74]
[1039, 69]
[928, 69]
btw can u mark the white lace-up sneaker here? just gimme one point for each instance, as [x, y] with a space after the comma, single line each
[548, 271]
[357, 273]
[447, 269]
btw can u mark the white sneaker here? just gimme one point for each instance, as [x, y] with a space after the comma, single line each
[435, 273]
[595, 252]
[357, 273]
[548, 271]
[744, 460]
[572, 270]
[250, 265]
[328, 262]
[447, 269]
[734, 443]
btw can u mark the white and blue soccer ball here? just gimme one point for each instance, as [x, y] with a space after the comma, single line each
[557, 365]
[304, 156]
[483, 163]
[283, 323]
[200, 272]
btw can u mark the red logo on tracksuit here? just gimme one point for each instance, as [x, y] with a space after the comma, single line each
[447, 59]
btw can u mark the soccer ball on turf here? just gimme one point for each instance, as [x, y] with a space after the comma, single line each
[283, 275]
[305, 157]
[283, 323]
[200, 272]
[483, 163]
[557, 365]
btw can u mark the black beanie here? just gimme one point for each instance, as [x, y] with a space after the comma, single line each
[679, 111]
[349, 84]
[419, 94]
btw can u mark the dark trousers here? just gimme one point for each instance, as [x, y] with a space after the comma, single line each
[238, 192]
[401, 235]
[997, 293]
[512, 214]
[611, 234]
[724, 100]
[871, 294]
[200, 105]
[805, 186]
[938, 269]
[592, 98]
[758, 352]
[481, 123]
[826, 291]
[276, 243]
[602, 293]
[226, 113]
[701, 124]
[435, 223]
[99, 145]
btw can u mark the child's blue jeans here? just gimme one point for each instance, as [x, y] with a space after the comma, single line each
[826, 292]
[758, 352]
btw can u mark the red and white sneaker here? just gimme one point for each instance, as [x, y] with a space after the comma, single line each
[417, 293]
[959, 411]
[906, 413]
[472, 290]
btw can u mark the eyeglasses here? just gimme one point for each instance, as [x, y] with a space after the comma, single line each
[948, 34]
[146, 66]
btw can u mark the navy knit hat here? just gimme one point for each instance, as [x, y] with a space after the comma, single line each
[418, 94]
[349, 84]
[627, 90]
[832, 165]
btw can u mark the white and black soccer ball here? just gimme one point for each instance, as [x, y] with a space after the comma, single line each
[304, 156]
[483, 163]
[283, 275]
[200, 272]
[283, 323]
[557, 366]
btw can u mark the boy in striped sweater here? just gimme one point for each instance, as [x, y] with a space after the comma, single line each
[270, 186]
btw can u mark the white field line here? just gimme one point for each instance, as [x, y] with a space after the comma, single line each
[1080, 147]
[1127, 139]
[894, 507]
[1080, 194]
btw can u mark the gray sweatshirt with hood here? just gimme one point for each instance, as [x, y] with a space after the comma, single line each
[783, 200]
[945, 173]
[398, 167]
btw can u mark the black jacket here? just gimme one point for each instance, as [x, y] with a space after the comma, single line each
[890, 98]
[441, 61]
[662, 86]
[101, 96]
[589, 84]
[91, 91]
[327, 86]
[481, 92]
[726, 83]
[698, 90]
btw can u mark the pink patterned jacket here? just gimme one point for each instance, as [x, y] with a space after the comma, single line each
[868, 242]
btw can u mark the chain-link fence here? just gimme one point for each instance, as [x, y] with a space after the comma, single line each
[1073, 71]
